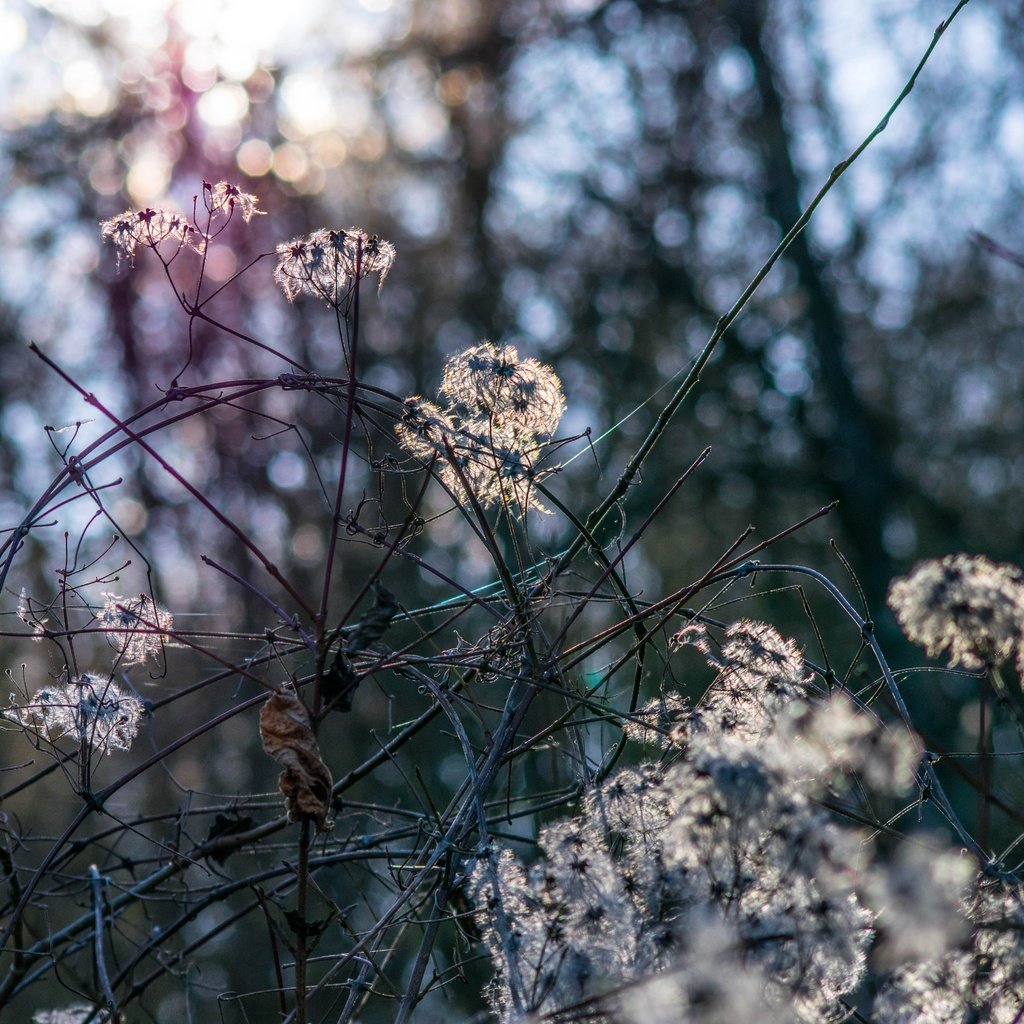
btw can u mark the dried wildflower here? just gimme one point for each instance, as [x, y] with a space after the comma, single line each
[495, 466]
[936, 991]
[834, 736]
[91, 708]
[488, 435]
[759, 672]
[74, 1014]
[714, 985]
[148, 228]
[425, 428]
[918, 899]
[225, 198]
[496, 385]
[985, 982]
[31, 617]
[965, 605]
[135, 627]
[326, 264]
[658, 721]
[632, 802]
[723, 850]
[492, 465]
[693, 634]
[757, 648]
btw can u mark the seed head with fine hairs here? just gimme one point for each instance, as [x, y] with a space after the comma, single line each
[135, 627]
[148, 228]
[225, 198]
[965, 605]
[90, 708]
[326, 264]
[722, 848]
[497, 411]
[77, 1013]
[496, 384]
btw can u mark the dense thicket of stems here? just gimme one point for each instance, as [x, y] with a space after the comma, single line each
[195, 822]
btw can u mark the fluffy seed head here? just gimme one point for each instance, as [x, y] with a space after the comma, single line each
[148, 228]
[225, 198]
[487, 434]
[326, 264]
[497, 385]
[964, 605]
[135, 627]
[91, 708]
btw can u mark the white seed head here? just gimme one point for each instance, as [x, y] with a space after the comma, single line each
[91, 709]
[149, 228]
[963, 605]
[135, 627]
[326, 264]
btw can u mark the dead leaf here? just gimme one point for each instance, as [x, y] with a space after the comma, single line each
[339, 683]
[288, 738]
[374, 623]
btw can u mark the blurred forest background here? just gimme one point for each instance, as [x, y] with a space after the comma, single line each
[594, 183]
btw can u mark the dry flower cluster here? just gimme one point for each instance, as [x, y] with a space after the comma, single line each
[712, 886]
[488, 435]
[966, 606]
[754, 857]
[327, 263]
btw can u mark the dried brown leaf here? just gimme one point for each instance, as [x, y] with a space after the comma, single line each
[287, 736]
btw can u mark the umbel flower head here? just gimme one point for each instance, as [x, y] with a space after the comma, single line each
[966, 605]
[91, 708]
[498, 410]
[149, 228]
[326, 264]
[225, 198]
[497, 385]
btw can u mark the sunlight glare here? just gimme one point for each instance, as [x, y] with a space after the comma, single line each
[83, 81]
[307, 105]
[223, 105]
[13, 32]
[148, 177]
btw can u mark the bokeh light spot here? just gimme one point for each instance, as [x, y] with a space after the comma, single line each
[13, 31]
[287, 471]
[290, 162]
[83, 81]
[307, 105]
[148, 177]
[328, 150]
[254, 158]
[308, 544]
[224, 104]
